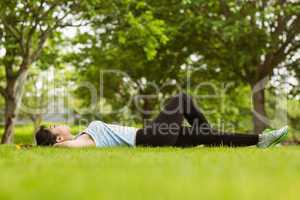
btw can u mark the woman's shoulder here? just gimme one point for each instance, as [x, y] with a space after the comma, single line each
[96, 123]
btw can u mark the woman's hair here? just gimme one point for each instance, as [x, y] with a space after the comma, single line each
[44, 137]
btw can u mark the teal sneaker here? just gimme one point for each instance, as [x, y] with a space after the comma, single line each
[272, 137]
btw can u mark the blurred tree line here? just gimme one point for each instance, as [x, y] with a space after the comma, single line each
[141, 51]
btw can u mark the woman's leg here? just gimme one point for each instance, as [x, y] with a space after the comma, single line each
[202, 133]
[190, 136]
[167, 130]
[164, 129]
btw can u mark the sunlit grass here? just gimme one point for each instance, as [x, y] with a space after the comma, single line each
[147, 173]
[157, 173]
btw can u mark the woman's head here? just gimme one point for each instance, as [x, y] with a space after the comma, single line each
[49, 136]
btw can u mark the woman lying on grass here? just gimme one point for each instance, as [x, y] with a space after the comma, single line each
[165, 130]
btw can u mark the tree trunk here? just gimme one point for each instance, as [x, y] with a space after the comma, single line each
[259, 112]
[13, 96]
[10, 118]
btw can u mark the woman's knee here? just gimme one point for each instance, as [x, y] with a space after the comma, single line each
[180, 99]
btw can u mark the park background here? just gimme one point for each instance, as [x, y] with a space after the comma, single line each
[73, 61]
[77, 61]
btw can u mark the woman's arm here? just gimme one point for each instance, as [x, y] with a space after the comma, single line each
[82, 141]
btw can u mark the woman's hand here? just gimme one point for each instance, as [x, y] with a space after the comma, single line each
[61, 144]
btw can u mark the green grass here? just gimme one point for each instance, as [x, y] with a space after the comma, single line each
[149, 173]
[162, 173]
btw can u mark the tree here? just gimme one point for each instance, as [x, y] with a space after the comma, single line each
[244, 41]
[25, 27]
[240, 42]
[128, 38]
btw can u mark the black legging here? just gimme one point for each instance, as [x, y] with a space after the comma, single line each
[167, 129]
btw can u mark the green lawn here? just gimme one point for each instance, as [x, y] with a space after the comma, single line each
[157, 173]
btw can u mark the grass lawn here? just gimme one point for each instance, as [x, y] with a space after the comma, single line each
[145, 173]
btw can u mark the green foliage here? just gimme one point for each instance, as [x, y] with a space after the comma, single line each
[26, 30]
[130, 47]
[294, 113]
[239, 38]
[227, 108]
[145, 32]
[235, 42]
[153, 43]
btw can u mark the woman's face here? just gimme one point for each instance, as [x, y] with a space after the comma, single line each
[62, 132]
